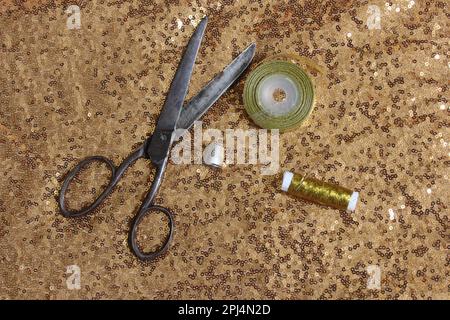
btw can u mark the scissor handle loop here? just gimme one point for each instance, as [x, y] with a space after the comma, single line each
[81, 165]
[144, 211]
[116, 174]
[146, 207]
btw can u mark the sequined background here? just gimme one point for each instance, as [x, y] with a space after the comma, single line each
[380, 126]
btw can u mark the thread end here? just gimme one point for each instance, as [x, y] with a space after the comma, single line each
[353, 202]
[287, 178]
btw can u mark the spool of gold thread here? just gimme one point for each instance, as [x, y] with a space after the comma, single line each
[320, 192]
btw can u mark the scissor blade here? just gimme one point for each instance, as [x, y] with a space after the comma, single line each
[209, 94]
[177, 93]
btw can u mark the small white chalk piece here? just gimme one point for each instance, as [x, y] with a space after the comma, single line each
[213, 155]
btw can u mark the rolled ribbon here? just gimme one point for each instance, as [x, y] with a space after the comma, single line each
[278, 94]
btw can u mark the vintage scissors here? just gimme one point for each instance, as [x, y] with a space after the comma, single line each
[157, 147]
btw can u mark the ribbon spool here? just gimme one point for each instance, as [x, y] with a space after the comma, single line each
[278, 94]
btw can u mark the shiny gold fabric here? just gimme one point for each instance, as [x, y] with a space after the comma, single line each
[380, 125]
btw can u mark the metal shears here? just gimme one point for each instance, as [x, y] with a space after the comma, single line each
[157, 147]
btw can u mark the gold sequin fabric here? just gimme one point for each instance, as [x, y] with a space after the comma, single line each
[379, 126]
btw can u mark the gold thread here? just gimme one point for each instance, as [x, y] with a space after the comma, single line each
[320, 192]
